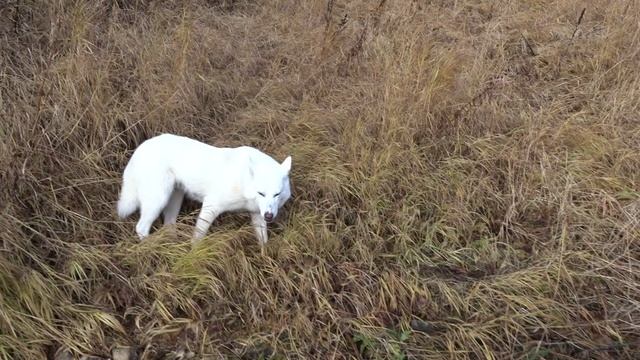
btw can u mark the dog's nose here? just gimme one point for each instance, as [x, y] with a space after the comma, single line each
[268, 216]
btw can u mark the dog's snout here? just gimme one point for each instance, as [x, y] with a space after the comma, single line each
[268, 216]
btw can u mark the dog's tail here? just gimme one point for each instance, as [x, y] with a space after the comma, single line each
[128, 202]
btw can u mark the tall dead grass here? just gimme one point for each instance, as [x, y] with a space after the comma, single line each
[465, 178]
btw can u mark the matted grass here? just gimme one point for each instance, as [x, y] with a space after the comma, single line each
[465, 178]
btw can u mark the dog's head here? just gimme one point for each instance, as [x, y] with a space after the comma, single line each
[271, 186]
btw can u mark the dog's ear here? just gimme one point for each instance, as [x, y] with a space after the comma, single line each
[286, 164]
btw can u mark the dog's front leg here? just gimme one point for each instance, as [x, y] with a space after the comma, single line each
[260, 225]
[208, 214]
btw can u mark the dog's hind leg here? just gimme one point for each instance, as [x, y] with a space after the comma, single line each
[172, 209]
[153, 198]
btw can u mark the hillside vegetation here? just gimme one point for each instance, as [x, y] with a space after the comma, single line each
[465, 178]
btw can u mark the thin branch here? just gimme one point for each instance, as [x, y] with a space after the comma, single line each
[528, 45]
[579, 22]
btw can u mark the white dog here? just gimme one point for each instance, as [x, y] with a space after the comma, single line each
[163, 169]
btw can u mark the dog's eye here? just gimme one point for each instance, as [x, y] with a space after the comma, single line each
[261, 193]
[276, 194]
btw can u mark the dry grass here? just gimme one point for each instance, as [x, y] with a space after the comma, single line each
[465, 178]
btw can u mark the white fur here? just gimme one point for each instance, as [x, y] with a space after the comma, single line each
[163, 169]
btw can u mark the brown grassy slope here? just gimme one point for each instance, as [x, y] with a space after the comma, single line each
[465, 178]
